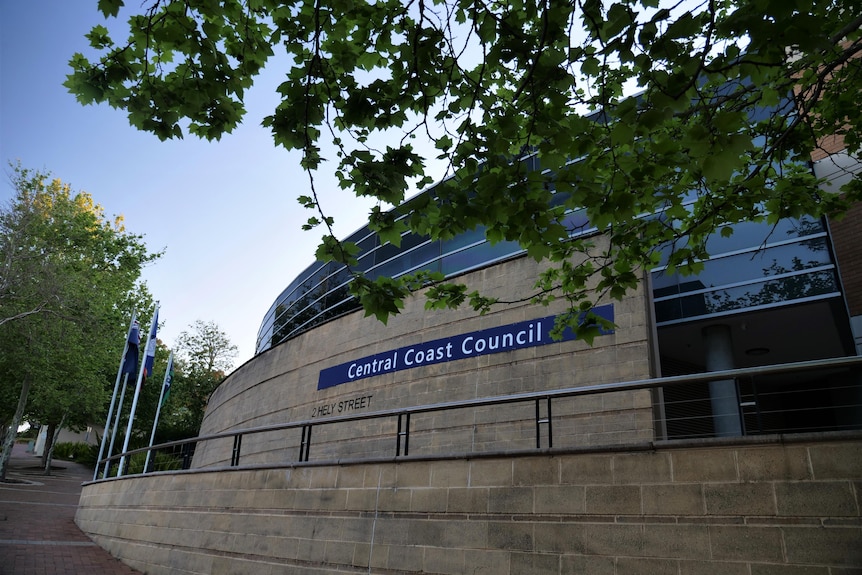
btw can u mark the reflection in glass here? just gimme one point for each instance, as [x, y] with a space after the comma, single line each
[784, 290]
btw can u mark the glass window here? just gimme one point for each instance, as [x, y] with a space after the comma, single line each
[783, 290]
[746, 266]
[463, 240]
[477, 255]
[752, 234]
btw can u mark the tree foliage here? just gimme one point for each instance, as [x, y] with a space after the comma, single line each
[732, 98]
[203, 355]
[69, 276]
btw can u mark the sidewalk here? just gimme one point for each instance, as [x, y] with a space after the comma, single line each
[38, 535]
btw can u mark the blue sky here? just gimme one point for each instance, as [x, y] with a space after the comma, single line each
[225, 212]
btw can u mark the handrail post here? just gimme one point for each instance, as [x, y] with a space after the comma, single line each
[305, 443]
[540, 421]
[237, 444]
[403, 431]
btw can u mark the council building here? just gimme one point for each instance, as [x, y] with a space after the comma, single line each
[452, 442]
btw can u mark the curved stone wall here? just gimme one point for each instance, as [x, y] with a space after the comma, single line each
[282, 384]
[756, 507]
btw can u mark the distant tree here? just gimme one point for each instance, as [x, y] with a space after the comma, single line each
[528, 103]
[202, 357]
[69, 277]
[206, 349]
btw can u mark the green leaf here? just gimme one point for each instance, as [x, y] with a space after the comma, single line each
[110, 7]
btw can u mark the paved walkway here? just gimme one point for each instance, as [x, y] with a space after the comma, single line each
[38, 535]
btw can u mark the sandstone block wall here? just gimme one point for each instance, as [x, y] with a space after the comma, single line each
[759, 507]
[280, 385]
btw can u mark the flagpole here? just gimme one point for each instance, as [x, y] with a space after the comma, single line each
[114, 395]
[165, 383]
[116, 424]
[151, 344]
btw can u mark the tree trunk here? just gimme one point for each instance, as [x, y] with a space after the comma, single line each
[12, 432]
[50, 441]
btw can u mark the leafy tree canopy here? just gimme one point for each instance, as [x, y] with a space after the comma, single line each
[733, 97]
[204, 355]
[69, 275]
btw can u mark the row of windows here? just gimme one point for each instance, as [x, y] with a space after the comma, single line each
[321, 292]
[759, 265]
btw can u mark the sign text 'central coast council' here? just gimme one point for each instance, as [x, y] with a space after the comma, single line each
[493, 340]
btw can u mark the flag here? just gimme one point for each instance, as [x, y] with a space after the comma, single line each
[130, 362]
[169, 376]
[150, 356]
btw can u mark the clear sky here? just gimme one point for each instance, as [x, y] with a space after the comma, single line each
[224, 212]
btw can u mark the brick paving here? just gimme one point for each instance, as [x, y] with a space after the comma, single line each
[38, 535]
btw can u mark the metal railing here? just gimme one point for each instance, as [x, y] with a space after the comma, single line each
[824, 376]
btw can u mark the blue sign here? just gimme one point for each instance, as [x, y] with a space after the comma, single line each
[494, 340]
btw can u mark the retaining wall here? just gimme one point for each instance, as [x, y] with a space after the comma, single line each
[757, 506]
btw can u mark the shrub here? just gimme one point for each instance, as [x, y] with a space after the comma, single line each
[160, 462]
[80, 452]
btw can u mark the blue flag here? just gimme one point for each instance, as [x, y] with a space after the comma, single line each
[130, 362]
[150, 356]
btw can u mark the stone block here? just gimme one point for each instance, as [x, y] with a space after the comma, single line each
[561, 538]
[816, 499]
[510, 500]
[312, 550]
[449, 474]
[613, 500]
[675, 541]
[486, 562]
[322, 499]
[673, 499]
[466, 534]
[773, 463]
[778, 569]
[392, 531]
[640, 468]
[644, 566]
[490, 472]
[609, 538]
[468, 500]
[536, 471]
[534, 564]
[323, 477]
[339, 553]
[405, 558]
[837, 546]
[559, 499]
[375, 557]
[743, 499]
[428, 500]
[326, 528]
[444, 561]
[587, 564]
[510, 535]
[704, 465]
[836, 460]
[380, 476]
[414, 474]
[746, 543]
[350, 476]
[361, 499]
[586, 470]
[393, 499]
[286, 548]
[706, 567]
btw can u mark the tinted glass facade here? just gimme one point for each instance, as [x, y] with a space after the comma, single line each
[321, 291]
[758, 266]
